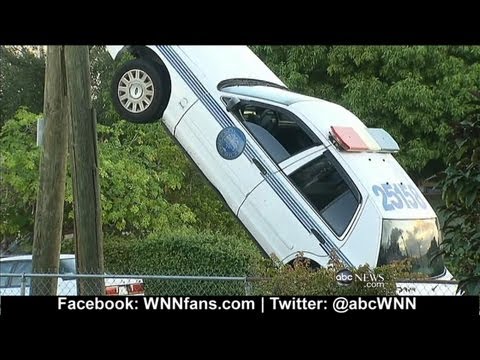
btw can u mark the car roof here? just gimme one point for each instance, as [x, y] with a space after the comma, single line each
[29, 257]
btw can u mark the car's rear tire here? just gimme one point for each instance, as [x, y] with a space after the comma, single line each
[138, 91]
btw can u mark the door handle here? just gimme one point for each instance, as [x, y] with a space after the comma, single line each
[260, 167]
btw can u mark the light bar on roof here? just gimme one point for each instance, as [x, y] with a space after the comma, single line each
[348, 138]
[364, 139]
[386, 142]
[368, 139]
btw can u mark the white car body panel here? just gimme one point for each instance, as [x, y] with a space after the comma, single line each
[275, 212]
[200, 143]
[220, 63]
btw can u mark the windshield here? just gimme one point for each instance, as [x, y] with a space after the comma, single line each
[415, 240]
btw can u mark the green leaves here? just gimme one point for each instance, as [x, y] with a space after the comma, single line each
[461, 192]
[140, 166]
[19, 158]
[212, 254]
[300, 279]
[22, 70]
[183, 253]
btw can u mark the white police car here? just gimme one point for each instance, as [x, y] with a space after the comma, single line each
[302, 174]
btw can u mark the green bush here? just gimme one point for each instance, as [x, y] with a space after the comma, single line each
[300, 279]
[184, 253]
[462, 198]
[209, 254]
[19, 158]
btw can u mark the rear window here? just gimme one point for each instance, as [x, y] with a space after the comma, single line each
[5, 268]
[67, 266]
[22, 267]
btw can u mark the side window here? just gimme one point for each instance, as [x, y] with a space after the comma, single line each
[22, 267]
[328, 192]
[5, 268]
[67, 266]
[279, 133]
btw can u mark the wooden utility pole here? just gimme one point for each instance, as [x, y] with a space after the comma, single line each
[47, 232]
[84, 156]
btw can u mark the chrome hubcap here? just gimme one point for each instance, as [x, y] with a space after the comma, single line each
[135, 90]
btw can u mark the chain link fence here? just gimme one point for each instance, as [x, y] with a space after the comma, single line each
[170, 285]
[427, 287]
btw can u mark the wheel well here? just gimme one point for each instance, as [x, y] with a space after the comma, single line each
[144, 52]
[311, 263]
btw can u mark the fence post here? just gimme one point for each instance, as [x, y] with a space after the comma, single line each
[23, 280]
[248, 287]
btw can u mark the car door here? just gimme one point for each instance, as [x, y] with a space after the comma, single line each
[273, 212]
[327, 189]
[235, 167]
[306, 207]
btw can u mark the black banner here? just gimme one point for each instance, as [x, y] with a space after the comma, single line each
[267, 306]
